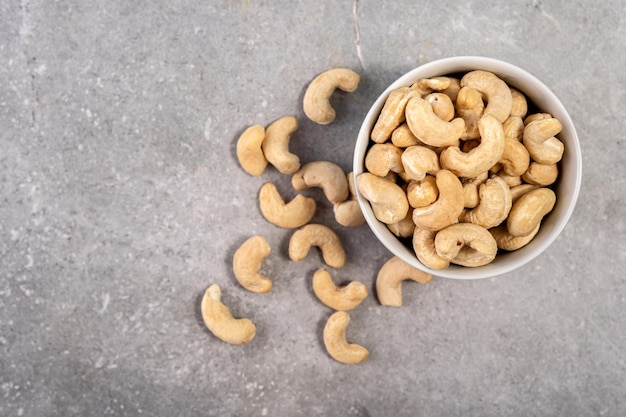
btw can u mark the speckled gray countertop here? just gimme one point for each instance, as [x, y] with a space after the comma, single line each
[122, 200]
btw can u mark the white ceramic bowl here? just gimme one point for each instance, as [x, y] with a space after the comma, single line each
[566, 188]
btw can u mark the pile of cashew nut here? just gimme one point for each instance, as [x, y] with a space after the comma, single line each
[460, 170]
[258, 147]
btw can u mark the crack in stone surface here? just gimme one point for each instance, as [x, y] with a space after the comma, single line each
[357, 32]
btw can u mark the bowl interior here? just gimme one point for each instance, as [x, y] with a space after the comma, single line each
[567, 186]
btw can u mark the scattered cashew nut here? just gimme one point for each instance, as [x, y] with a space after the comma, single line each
[221, 323]
[316, 101]
[249, 151]
[335, 341]
[348, 213]
[296, 213]
[247, 261]
[342, 298]
[326, 175]
[321, 236]
[390, 277]
[276, 145]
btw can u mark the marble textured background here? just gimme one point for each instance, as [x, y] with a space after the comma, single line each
[121, 200]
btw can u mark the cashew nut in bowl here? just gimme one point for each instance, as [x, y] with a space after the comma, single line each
[402, 137]
[536, 116]
[466, 244]
[510, 180]
[470, 107]
[388, 200]
[541, 174]
[390, 277]
[221, 323]
[521, 189]
[382, 158]
[422, 193]
[249, 151]
[428, 127]
[348, 213]
[513, 128]
[442, 105]
[342, 298]
[495, 91]
[321, 236]
[247, 261]
[519, 106]
[296, 213]
[539, 139]
[424, 248]
[403, 228]
[494, 204]
[507, 241]
[427, 85]
[470, 189]
[528, 211]
[326, 175]
[481, 158]
[515, 158]
[316, 101]
[392, 114]
[448, 206]
[276, 145]
[418, 161]
[453, 88]
[335, 341]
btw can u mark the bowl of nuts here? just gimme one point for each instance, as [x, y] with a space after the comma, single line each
[467, 167]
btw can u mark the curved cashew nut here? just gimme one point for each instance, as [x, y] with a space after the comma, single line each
[382, 158]
[507, 241]
[513, 128]
[536, 116]
[494, 204]
[515, 158]
[326, 175]
[541, 174]
[392, 114]
[442, 105]
[390, 277]
[403, 228]
[296, 213]
[466, 244]
[276, 145]
[342, 298]
[520, 190]
[447, 208]
[540, 141]
[316, 102]
[494, 90]
[529, 210]
[348, 213]
[470, 106]
[424, 248]
[247, 261]
[427, 85]
[482, 157]
[470, 189]
[335, 340]
[249, 152]
[321, 236]
[402, 137]
[519, 108]
[418, 161]
[388, 200]
[428, 127]
[221, 323]
[422, 193]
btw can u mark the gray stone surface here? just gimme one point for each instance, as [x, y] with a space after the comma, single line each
[122, 200]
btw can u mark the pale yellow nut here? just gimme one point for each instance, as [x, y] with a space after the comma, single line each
[510, 180]
[417, 161]
[442, 105]
[387, 199]
[495, 202]
[276, 145]
[392, 114]
[507, 241]
[424, 247]
[453, 88]
[513, 128]
[447, 208]
[528, 211]
[390, 278]
[322, 237]
[323, 174]
[249, 151]
[539, 139]
[341, 298]
[335, 341]
[427, 85]
[536, 116]
[494, 90]
[402, 137]
[515, 158]
[348, 213]
[247, 262]
[469, 106]
[482, 157]
[470, 189]
[295, 213]
[521, 189]
[316, 101]
[422, 193]
[221, 323]
[466, 244]
[403, 228]
[382, 158]
[541, 174]
[519, 108]
[428, 127]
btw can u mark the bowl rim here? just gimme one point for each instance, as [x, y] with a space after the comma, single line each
[514, 76]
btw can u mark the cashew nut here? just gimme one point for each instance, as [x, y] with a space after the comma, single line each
[470, 106]
[247, 261]
[495, 91]
[326, 175]
[392, 114]
[482, 157]
[426, 85]
[221, 323]
[520, 105]
[536, 116]
[418, 161]
[348, 213]
[428, 127]
[528, 211]
[510, 180]
[470, 189]
[276, 145]
[448, 206]
[466, 244]
[321, 236]
[541, 174]
[513, 128]
[390, 278]
[296, 213]
[403, 228]
[402, 137]
[342, 298]
[424, 248]
[521, 189]
[515, 158]
[422, 193]
[452, 90]
[442, 105]
[388, 200]
[382, 158]
[249, 152]
[540, 141]
[507, 241]
[494, 205]
[335, 340]
[317, 96]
